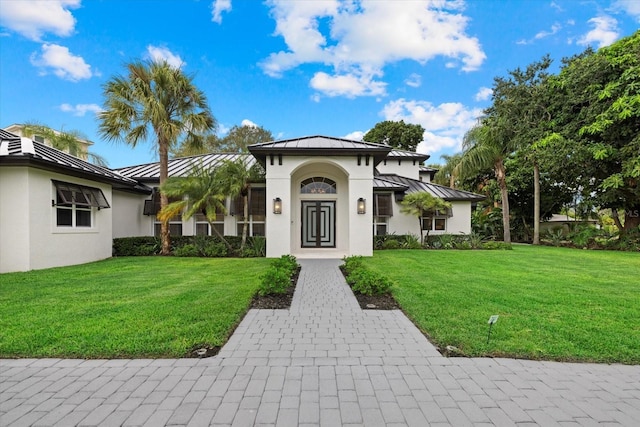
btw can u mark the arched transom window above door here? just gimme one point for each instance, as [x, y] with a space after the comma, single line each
[318, 185]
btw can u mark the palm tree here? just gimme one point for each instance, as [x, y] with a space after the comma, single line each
[199, 192]
[421, 204]
[155, 101]
[483, 147]
[236, 177]
[71, 142]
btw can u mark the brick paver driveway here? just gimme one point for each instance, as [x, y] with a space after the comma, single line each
[323, 362]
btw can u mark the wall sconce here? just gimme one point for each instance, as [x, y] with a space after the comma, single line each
[362, 206]
[277, 205]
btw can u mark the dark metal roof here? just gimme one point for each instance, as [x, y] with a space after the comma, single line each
[428, 169]
[318, 145]
[15, 150]
[382, 184]
[182, 166]
[402, 154]
[436, 190]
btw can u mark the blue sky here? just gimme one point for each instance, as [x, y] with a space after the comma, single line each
[295, 67]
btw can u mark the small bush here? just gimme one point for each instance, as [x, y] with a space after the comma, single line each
[391, 244]
[259, 245]
[274, 281]
[351, 263]
[215, 250]
[277, 279]
[189, 250]
[463, 245]
[411, 241]
[497, 245]
[136, 246]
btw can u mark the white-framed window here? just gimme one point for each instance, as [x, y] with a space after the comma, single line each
[257, 212]
[175, 226]
[436, 222]
[203, 228]
[75, 204]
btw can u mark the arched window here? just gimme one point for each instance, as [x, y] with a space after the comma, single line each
[318, 185]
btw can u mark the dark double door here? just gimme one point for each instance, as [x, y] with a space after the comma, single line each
[318, 224]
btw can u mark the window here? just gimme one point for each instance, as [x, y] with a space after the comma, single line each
[318, 185]
[38, 138]
[257, 212]
[204, 229]
[382, 205]
[175, 227]
[434, 223]
[380, 225]
[74, 204]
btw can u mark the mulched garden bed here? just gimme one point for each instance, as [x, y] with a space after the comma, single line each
[374, 302]
[278, 301]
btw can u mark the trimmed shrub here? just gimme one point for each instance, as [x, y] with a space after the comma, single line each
[208, 246]
[277, 279]
[391, 244]
[274, 281]
[136, 246]
[189, 250]
[497, 245]
[362, 280]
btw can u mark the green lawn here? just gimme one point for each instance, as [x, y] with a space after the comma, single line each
[125, 307]
[553, 303]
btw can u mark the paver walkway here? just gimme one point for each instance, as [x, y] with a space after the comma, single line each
[323, 362]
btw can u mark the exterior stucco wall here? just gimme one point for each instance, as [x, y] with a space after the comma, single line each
[39, 242]
[14, 219]
[459, 223]
[406, 168]
[353, 231]
[128, 220]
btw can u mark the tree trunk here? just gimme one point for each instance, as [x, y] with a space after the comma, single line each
[631, 219]
[504, 195]
[245, 226]
[220, 236]
[420, 219]
[616, 220]
[165, 237]
[536, 203]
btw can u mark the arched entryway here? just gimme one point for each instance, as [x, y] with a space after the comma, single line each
[319, 194]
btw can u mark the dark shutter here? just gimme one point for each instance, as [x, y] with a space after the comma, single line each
[382, 205]
[152, 206]
[258, 202]
[80, 195]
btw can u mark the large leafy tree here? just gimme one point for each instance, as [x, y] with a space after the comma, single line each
[236, 141]
[405, 136]
[236, 178]
[422, 204]
[600, 116]
[70, 141]
[158, 102]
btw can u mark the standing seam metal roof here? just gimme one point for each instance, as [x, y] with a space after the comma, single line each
[15, 149]
[436, 190]
[182, 166]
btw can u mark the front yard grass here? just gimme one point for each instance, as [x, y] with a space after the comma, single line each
[554, 303]
[125, 307]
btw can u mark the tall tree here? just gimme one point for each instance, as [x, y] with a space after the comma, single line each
[422, 204]
[600, 114]
[199, 192]
[236, 178]
[236, 141]
[401, 135]
[72, 141]
[489, 145]
[155, 101]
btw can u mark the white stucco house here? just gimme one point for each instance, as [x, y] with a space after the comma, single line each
[322, 197]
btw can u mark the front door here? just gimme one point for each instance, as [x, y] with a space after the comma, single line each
[318, 224]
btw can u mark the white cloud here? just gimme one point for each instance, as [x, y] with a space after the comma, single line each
[81, 109]
[604, 33]
[414, 80]
[420, 30]
[160, 54]
[61, 62]
[355, 136]
[349, 85]
[631, 7]
[483, 94]
[248, 123]
[34, 18]
[543, 34]
[218, 7]
[445, 124]
[223, 130]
